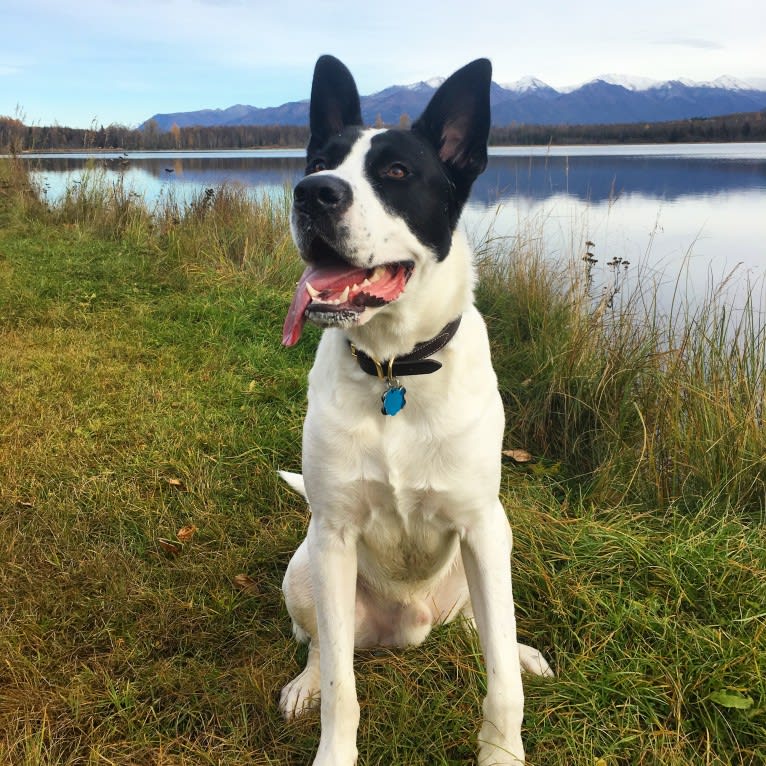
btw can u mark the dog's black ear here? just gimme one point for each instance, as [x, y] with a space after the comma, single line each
[456, 120]
[334, 101]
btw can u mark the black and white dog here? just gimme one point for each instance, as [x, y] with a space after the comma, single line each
[402, 438]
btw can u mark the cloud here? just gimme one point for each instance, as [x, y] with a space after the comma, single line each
[178, 55]
[692, 42]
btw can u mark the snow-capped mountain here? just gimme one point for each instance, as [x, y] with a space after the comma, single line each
[610, 98]
[526, 84]
[626, 81]
[433, 83]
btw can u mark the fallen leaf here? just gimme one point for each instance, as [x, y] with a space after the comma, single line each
[518, 455]
[245, 583]
[731, 699]
[186, 533]
[171, 548]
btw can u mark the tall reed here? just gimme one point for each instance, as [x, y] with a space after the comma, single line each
[662, 404]
[227, 226]
[234, 228]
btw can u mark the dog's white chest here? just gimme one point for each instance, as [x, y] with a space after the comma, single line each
[406, 486]
[405, 534]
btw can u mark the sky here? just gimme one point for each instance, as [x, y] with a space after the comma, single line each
[96, 62]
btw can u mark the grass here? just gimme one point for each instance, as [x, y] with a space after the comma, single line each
[143, 389]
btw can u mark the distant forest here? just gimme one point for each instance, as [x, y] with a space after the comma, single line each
[16, 137]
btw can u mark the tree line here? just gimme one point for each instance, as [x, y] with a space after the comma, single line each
[748, 126]
[16, 137]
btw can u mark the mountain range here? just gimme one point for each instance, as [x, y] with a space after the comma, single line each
[608, 99]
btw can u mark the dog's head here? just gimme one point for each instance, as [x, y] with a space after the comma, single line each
[378, 205]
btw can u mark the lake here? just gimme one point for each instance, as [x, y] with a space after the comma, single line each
[696, 208]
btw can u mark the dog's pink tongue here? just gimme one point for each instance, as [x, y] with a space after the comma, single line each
[295, 319]
[328, 278]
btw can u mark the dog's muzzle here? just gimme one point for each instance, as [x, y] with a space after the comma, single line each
[334, 291]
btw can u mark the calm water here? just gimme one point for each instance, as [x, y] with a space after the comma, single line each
[659, 207]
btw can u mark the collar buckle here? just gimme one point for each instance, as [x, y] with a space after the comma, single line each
[417, 362]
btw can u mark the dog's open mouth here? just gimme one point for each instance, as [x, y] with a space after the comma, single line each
[337, 294]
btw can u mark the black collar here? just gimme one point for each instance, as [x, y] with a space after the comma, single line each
[414, 363]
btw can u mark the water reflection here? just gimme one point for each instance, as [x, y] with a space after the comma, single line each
[587, 177]
[602, 178]
[680, 248]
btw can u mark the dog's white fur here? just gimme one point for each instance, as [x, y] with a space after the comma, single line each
[406, 528]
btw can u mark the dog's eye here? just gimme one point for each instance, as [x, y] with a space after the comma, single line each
[397, 171]
[315, 166]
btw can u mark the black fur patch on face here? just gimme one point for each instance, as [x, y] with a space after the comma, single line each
[331, 153]
[410, 180]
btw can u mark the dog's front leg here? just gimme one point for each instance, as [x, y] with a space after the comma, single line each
[333, 567]
[486, 552]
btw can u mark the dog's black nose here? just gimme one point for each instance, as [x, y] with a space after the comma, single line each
[322, 194]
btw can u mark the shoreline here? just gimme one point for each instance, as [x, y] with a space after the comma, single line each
[494, 149]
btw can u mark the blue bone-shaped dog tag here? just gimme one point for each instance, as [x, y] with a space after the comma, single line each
[393, 400]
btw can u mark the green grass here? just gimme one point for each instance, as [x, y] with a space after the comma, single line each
[143, 389]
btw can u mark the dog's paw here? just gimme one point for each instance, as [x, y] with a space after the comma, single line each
[495, 757]
[500, 742]
[493, 754]
[532, 661]
[335, 760]
[301, 694]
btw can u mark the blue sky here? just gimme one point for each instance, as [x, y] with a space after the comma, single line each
[104, 61]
